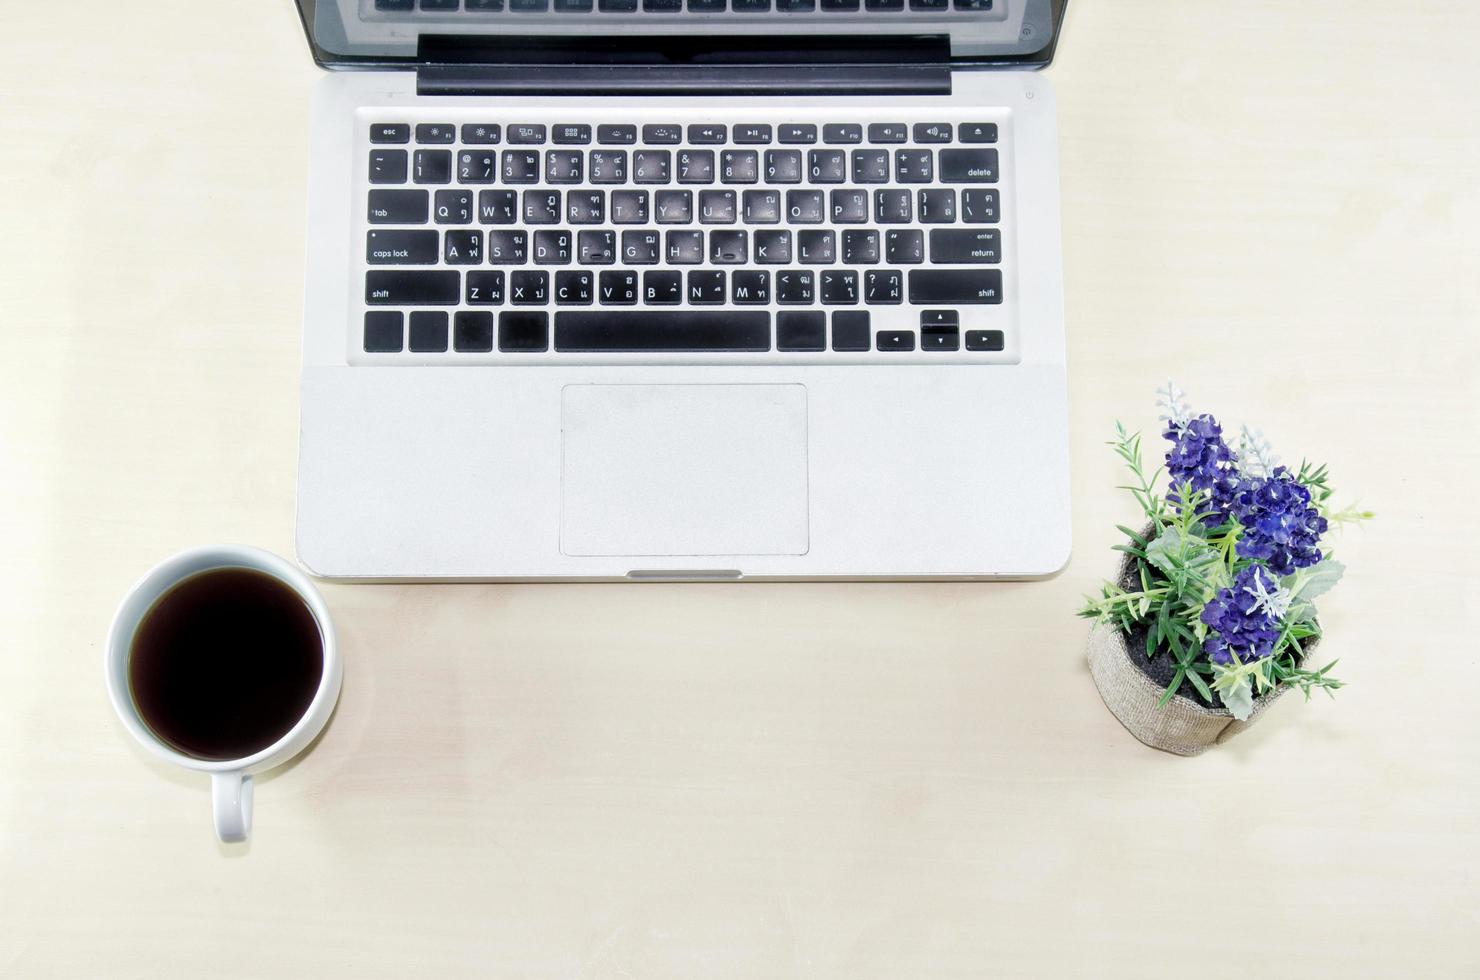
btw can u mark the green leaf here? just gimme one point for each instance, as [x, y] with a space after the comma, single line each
[1201, 685]
[1238, 698]
[1318, 579]
[1175, 552]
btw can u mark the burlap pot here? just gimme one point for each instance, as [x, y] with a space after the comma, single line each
[1182, 726]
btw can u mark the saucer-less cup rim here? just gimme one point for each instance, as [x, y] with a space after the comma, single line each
[230, 778]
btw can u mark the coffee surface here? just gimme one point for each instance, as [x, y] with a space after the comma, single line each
[225, 663]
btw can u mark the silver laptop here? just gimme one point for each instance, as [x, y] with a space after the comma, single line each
[683, 290]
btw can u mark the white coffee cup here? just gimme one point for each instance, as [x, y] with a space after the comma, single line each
[231, 780]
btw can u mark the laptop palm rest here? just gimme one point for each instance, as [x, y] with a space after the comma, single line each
[683, 470]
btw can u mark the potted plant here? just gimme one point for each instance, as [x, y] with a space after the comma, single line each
[1212, 615]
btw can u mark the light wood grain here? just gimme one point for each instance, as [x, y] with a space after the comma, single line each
[1277, 203]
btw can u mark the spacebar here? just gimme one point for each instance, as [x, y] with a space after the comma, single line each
[602, 331]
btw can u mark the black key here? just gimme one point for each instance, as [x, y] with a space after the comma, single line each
[575, 287]
[753, 132]
[914, 166]
[523, 331]
[484, 288]
[696, 166]
[888, 133]
[706, 6]
[706, 287]
[772, 247]
[860, 247]
[541, 207]
[432, 167]
[574, 6]
[796, 132]
[463, 248]
[526, 133]
[976, 132]
[870, 166]
[784, 166]
[617, 6]
[390, 133]
[563, 166]
[704, 133]
[641, 247]
[939, 318]
[616, 135]
[573, 134]
[477, 166]
[801, 330]
[483, 5]
[979, 207]
[439, 4]
[552, 247]
[585, 207]
[428, 332]
[527, 288]
[482, 134]
[394, 4]
[750, 287]
[598, 247]
[629, 207]
[804, 207]
[883, 286]
[472, 332]
[652, 166]
[662, 287]
[521, 166]
[883, 5]
[454, 207]
[508, 247]
[739, 166]
[839, 287]
[974, 4]
[387, 166]
[717, 207]
[817, 247]
[398, 207]
[436, 133]
[608, 166]
[932, 132]
[600, 331]
[684, 247]
[965, 247]
[728, 247]
[528, 6]
[662, 133]
[839, 5]
[795, 287]
[383, 331]
[895, 340]
[674, 207]
[400, 287]
[940, 338]
[892, 207]
[850, 331]
[618, 288]
[904, 247]
[498, 207]
[990, 340]
[968, 166]
[848, 207]
[662, 6]
[750, 6]
[843, 132]
[937, 206]
[795, 6]
[957, 286]
[762, 207]
[827, 166]
[928, 5]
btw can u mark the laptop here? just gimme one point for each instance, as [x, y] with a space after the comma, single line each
[683, 290]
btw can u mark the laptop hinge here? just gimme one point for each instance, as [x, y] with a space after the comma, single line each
[820, 65]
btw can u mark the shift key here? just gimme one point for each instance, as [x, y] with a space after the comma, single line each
[948, 287]
[386, 287]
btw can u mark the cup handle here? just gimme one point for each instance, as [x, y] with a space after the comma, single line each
[231, 796]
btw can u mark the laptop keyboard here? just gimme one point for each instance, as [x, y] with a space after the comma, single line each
[865, 239]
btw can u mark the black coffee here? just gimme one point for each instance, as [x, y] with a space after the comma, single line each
[225, 663]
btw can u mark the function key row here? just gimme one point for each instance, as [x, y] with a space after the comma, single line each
[699, 134]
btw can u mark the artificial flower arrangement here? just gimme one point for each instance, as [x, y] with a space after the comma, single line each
[1218, 588]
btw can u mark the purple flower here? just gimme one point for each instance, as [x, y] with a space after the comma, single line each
[1281, 527]
[1244, 618]
[1200, 457]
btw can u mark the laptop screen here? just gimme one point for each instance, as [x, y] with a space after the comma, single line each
[363, 33]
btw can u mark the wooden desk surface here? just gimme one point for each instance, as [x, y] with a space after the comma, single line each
[1279, 205]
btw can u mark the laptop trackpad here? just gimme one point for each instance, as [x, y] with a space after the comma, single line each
[684, 470]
